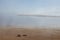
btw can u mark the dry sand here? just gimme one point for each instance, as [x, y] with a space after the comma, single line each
[30, 34]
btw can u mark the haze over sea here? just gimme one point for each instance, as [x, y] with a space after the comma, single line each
[10, 9]
[32, 21]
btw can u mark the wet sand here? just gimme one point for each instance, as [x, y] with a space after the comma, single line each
[29, 34]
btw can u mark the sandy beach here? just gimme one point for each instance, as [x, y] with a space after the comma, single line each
[29, 34]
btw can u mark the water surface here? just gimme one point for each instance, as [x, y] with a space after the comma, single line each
[15, 20]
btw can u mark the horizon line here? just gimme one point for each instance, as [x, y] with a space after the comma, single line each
[40, 15]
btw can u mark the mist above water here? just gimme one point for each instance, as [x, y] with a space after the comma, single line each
[30, 21]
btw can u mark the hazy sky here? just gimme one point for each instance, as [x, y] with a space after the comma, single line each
[44, 7]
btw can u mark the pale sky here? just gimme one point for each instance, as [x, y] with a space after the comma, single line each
[40, 7]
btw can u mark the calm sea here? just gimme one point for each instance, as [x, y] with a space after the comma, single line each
[15, 20]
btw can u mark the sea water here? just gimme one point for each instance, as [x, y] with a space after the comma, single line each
[29, 21]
